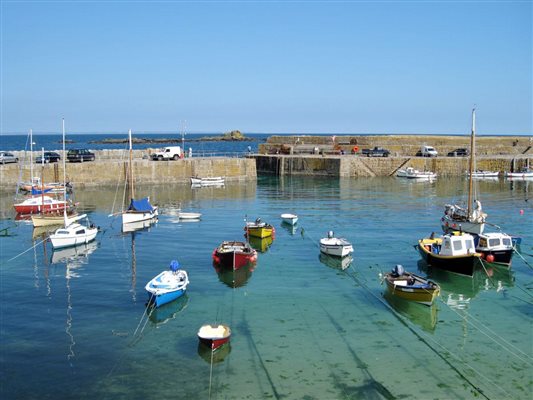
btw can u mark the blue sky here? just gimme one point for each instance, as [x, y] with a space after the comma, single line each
[267, 66]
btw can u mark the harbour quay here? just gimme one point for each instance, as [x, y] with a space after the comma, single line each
[341, 156]
[110, 167]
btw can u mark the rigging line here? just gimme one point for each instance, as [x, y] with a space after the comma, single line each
[470, 316]
[25, 251]
[454, 368]
[116, 190]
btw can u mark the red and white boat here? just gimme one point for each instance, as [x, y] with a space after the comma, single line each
[38, 204]
[234, 255]
[214, 336]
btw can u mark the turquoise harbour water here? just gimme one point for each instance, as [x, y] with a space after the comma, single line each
[73, 324]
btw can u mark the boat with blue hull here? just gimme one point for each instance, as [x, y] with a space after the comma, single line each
[167, 286]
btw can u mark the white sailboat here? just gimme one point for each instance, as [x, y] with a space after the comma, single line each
[470, 219]
[72, 233]
[138, 210]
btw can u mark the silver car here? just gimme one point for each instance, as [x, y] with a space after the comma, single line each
[6, 157]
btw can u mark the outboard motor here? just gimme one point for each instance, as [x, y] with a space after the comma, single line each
[398, 270]
[174, 265]
[330, 234]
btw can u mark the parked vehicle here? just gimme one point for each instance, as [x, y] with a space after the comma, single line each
[49, 157]
[459, 153]
[168, 153]
[80, 155]
[376, 152]
[427, 151]
[6, 157]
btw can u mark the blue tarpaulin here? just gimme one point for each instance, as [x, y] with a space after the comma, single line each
[142, 205]
[38, 191]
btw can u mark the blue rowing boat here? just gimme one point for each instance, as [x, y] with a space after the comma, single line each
[167, 286]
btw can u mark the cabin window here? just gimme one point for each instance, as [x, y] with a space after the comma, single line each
[506, 241]
[469, 244]
[457, 245]
[62, 232]
[482, 242]
[494, 242]
[80, 232]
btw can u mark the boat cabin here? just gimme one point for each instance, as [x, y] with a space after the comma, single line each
[457, 245]
[494, 241]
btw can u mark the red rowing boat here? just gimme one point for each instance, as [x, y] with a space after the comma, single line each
[234, 255]
[214, 336]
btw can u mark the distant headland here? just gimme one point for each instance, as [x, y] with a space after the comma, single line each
[233, 136]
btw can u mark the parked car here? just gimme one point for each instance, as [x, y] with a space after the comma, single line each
[6, 157]
[168, 153]
[427, 151]
[49, 157]
[376, 152]
[79, 155]
[459, 153]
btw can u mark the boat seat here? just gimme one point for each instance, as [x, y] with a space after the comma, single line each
[400, 282]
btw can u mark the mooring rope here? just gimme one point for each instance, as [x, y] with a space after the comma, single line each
[25, 251]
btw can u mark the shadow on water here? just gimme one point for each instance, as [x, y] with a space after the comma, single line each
[234, 278]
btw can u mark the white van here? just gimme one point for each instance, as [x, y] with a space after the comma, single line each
[427, 151]
[168, 153]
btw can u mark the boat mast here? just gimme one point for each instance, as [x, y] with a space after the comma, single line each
[31, 157]
[130, 175]
[64, 175]
[471, 166]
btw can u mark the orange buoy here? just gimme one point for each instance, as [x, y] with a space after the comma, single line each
[355, 149]
[490, 258]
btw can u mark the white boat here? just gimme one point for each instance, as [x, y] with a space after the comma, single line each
[338, 247]
[207, 181]
[411, 173]
[74, 233]
[483, 174]
[138, 210]
[524, 173]
[290, 219]
[469, 218]
[189, 215]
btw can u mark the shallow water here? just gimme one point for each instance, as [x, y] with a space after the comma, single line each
[73, 323]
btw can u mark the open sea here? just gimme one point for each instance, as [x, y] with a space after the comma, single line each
[73, 323]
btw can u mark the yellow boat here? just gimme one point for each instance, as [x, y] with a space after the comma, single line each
[408, 286]
[259, 229]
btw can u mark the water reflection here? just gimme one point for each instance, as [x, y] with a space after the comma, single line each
[292, 229]
[418, 314]
[213, 357]
[335, 262]
[261, 245]
[234, 278]
[75, 256]
[161, 315]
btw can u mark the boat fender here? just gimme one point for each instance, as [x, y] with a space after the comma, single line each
[490, 258]
[428, 248]
[174, 265]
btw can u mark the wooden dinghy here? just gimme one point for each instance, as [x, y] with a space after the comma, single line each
[408, 286]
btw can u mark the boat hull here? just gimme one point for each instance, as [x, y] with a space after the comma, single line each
[130, 217]
[61, 241]
[234, 255]
[208, 181]
[37, 208]
[464, 265]
[51, 220]
[166, 287]
[421, 291]
[260, 232]
[451, 225]
[159, 300]
[502, 257]
[214, 336]
[290, 219]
